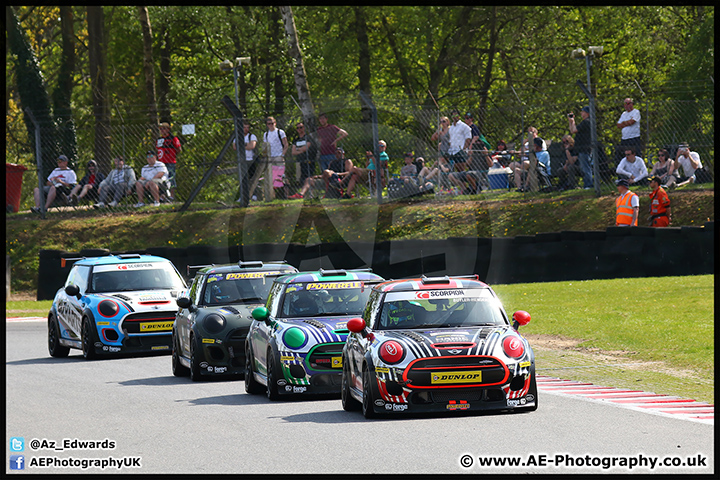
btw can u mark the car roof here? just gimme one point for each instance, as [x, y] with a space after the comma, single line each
[330, 276]
[120, 258]
[431, 283]
[247, 267]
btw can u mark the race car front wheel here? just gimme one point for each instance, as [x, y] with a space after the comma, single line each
[88, 334]
[195, 360]
[56, 350]
[178, 369]
[272, 371]
[251, 385]
[368, 409]
[348, 402]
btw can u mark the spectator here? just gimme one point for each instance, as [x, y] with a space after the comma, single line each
[693, 171]
[152, 177]
[583, 144]
[304, 150]
[88, 185]
[629, 124]
[632, 168]
[168, 146]
[62, 179]
[119, 182]
[334, 178]
[275, 146]
[664, 168]
[329, 135]
[659, 204]
[442, 136]
[627, 205]
[501, 157]
[473, 173]
[567, 176]
[365, 175]
[409, 171]
[253, 174]
[435, 173]
[533, 134]
[460, 137]
[423, 172]
[543, 166]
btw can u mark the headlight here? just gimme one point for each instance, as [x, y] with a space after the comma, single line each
[391, 352]
[513, 347]
[294, 338]
[214, 323]
[108, 308]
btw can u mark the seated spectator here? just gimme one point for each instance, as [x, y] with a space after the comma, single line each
[570, 170]
[88, 186]
[543, 167]
[336, 177]
[501, 157]
[152, 177]
[664, 168]
[422, 182]
[119, 182]
[62, 179]
[366, 176]
[632, 168]
[408, 173]
[435, 172]
[693, 171]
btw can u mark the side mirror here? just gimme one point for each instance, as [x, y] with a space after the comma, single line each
[73, 291]
[261, 314]
[357, 325]
[520, 317]
[183, 302]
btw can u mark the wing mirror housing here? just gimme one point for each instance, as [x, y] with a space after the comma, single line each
[184, 302]
[357, 325]
[520, 317]
[73, 291]
[261, 314]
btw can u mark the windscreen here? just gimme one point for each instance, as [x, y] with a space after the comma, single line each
[316, 299]
[128, 277]
[238, 287]
[440, 309]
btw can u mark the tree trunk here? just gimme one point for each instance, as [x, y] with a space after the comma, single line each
[148, 65]
[62, 94]
[163, 83]
[101, 105]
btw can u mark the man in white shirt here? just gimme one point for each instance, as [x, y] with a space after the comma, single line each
[460, 137]
[275, 146]
[693, 171]
[152, 176]
[61, 179]
[629, 125]
[632, 168]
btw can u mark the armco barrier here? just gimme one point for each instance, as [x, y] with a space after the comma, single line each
[618, 252]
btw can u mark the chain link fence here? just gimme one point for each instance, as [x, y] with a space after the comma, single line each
[207, 170]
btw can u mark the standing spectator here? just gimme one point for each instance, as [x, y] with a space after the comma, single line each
[659, 204]
[304, 150]
[693, 171]
[152, 176]
[570, 170]
[664, 168]
[275, 147]
[329, 135]
[460, 137]
[119, 182]
[253, 173]
[632, 168]
[629, 124]
[168, 146]
[627, 205]
[62, 179]
[88, 185]
[583, 144]
[442, 136]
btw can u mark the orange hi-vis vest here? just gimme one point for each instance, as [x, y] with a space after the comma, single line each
[624, 209]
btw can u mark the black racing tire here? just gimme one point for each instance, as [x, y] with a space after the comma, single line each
[56, 350]
[178, 369]
[368, 405]
[195, 375]
[533, 390]
[272, 369]
[88, 336]
[349, 403]
[252, 386]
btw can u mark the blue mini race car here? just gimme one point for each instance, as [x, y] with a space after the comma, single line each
[115, 304]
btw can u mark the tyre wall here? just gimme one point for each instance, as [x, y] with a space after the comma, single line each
[618, 252]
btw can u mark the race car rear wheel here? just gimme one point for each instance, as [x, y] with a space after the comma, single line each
[56, 350]
[195, 360]
[368, 400]
[272, 371]
[251, 385]
[178, 369]
[88, 334]
[348, 402]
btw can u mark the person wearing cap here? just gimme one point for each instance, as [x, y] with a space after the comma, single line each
[659, 204]
[460, 137]
[168, 146]
[62, 179]
[629, 124]
[693, 171]
[88, 185]
[152, 177]
[118, 183]
[627, 205]
[583, 144]
[632, 168]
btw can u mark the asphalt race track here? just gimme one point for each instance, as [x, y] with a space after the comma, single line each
[142, 419]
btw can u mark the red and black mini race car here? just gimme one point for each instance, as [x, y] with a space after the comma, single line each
[437, 344]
